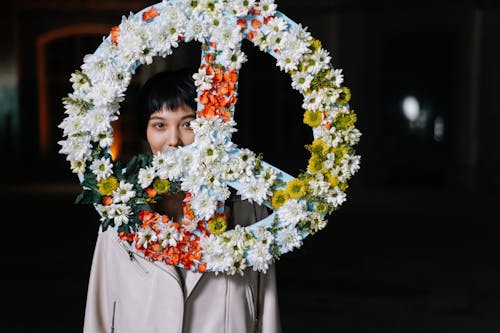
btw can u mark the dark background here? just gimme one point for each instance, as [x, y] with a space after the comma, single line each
[415, 247]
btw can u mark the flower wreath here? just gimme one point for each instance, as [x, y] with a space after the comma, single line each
[122, 194]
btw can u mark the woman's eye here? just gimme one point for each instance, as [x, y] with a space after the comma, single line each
[186, 124]
[158, 125]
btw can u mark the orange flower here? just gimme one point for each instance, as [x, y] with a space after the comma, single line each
[222, 89]
[231, 76]
[202, 267]
[126, 237]
[242, 23]
[218, 76]
[149, 14]
[255, 11]
[145, 215]
[267, 19]
[151, 192]
[203, 98]
[251, 34]
[256, 24]
[209, 58]
[115, 32]
[107, 200]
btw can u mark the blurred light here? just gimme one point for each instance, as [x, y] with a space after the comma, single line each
[411, 108]
[438, 129]
[116, 146]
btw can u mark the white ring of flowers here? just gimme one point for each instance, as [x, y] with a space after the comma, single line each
[213, 162]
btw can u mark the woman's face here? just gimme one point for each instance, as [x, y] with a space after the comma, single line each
[169, 129]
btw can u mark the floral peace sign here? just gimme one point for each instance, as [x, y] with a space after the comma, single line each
[205, 169]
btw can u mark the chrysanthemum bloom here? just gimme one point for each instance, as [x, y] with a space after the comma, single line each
[106, 186]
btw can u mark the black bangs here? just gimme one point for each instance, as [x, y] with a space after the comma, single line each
[170, 89]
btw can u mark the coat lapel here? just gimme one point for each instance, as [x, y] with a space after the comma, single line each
[192, 279]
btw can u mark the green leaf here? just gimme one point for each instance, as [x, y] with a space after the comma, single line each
[90, 181]
[88, 197]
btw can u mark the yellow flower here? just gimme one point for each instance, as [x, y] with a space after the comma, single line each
[161, 185]
[345, 121]
[313, 118]
[321, 207]
[296, 189]
[319, 147]
[218, 224]
[345, 95]
[334, 181]
[106, 186]
[343, 186]
[279, 198]
[315, 164]
[314, 44]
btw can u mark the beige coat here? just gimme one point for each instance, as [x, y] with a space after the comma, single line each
[130, 294]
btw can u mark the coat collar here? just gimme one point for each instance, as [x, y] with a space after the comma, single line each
[192, 279]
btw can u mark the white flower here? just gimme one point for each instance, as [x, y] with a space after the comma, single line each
[169, 236]
[144, 235]
[240, 7]
[301, 33]
[319, 187]
[159, 160]
[78, 166]
[196, 29]
[336, 197]
[104, 211]
[96, 67]
[317, 222]
[124, 192]
[336, 77]
[102, 168]
[350, 164]
[277, 24]
[226, 36]
[288, 239]
[288, 60]
[192, 182]
[120, 214]
[312, 101]
[73, 124]
[260, 257]
[171, 166]
[255, 191]
[301, 81]
[203, 205]
[105, 139]
[104, 92]
[99, 120]
[318, 61]
[267, 7]
[260, 40]
[146, 176]
[351, 135]
[75, 147]
[80, 82]
[203, 80]
[234, 59]
[292, 212]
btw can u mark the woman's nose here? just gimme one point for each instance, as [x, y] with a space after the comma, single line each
[172, 139]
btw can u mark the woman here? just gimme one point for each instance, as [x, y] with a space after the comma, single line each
[128, 293]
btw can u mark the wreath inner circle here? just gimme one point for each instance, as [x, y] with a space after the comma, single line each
[122, 194]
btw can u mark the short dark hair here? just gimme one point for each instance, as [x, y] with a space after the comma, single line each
[170, 89]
